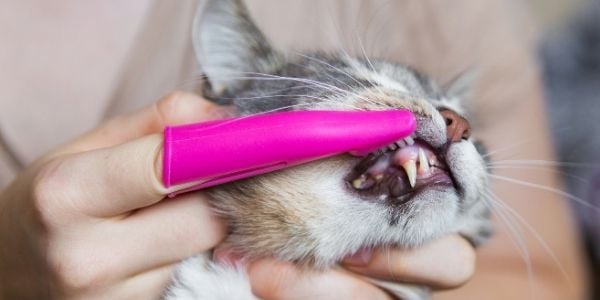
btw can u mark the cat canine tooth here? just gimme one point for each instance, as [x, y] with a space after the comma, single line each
[410, 167]
[409, 141]
[423, 163]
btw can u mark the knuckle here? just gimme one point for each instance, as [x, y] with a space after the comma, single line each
[80, 270]
[167, 107]
[173, 97]
[47, 184]
[51, 193]
[181, 106]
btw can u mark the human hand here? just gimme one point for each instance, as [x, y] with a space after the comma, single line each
[87, 221]
[442, 264]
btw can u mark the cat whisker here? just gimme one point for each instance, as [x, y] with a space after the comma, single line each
[348, 86]
[494, 198]
[543, 168]
[264, 76]
[294, 96]
[311, 85]
[258, 78]
[364, 53]
[512, 146]
[549, 163]
[516, 236]
[378, 14]
[283, 108]
[275, 92]
[548, 189]
[342, 72]
[332, 67]
[297, 79]
[328, 87]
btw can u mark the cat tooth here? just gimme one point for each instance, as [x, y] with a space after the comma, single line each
[392, 147]
[359, 182]
[410, 167]
[363, 182]
[379, 152]
[423, 163]
[409, 141]
[401, 143]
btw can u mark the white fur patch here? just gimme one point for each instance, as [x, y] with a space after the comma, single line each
[199, 278]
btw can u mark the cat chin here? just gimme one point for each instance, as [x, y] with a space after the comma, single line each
[431, 214]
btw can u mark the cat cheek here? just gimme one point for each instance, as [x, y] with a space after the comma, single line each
[468, 168]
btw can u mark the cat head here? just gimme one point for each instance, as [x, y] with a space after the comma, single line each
[417, 189]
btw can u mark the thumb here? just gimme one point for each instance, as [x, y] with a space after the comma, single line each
[173, 109]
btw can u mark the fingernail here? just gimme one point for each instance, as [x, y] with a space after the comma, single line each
[359, 259]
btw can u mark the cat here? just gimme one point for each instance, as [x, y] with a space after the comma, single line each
[423, 187]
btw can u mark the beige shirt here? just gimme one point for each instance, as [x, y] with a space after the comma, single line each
[68, 65]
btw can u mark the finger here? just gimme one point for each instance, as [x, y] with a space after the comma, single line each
[169, 231]
[146, 285]
[445, 263]
[98, 251]
[105, 182]
[272, 279]
[175, 108]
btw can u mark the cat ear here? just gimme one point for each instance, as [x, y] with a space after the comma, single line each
[228, 46]
[460, 88]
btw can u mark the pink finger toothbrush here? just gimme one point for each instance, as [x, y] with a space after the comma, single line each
[211, 153]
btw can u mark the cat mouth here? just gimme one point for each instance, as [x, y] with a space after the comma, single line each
[400, 171]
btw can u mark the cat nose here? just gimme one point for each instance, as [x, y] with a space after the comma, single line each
[457, 127]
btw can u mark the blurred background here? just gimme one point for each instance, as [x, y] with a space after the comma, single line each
[549, 13]
[569, 55]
